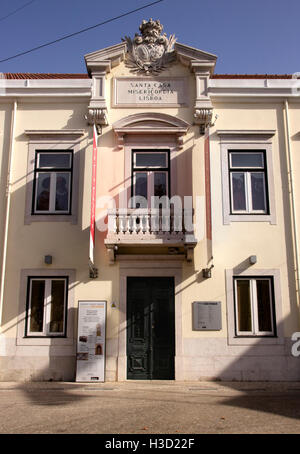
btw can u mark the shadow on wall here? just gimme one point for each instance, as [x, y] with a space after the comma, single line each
[242, 365]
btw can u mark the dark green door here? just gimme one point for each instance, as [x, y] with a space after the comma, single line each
[150, 328]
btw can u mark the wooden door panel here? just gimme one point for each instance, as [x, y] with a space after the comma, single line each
[150, 328]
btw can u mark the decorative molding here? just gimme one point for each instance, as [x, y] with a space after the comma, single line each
[203, 116]
[97, 116]
[148, 258]
[54, 134]
[196, 59]
[105, 59]
[150, 123]
[189, 251]
[246, 135]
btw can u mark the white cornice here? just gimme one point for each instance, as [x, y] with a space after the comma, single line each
[54, 134]
[45, 87]
[248, 135]
[223, 89]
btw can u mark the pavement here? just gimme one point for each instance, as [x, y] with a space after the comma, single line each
[150, 407]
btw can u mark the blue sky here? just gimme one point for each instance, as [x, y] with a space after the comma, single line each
[253, 37]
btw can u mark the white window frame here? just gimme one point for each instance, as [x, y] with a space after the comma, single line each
[254, 309]
[69, 340]
[248, 184]
[135, 153]
[246, 141]
[233, 339]
[53, 177]
[52, 140]
[150, 182]
[150, 173]
[47, 307]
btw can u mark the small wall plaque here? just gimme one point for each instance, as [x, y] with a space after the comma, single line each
[207, 316]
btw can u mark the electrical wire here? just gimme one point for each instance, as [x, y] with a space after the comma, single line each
[16, 10]
[80, 31]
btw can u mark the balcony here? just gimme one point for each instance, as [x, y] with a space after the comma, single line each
[131, 228]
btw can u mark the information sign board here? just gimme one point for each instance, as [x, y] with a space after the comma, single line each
[90, 364]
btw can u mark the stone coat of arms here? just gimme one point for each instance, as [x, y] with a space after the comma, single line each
[150, 52]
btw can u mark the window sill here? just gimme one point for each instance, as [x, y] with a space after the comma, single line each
[249, 218]
[44, 341]
[71, 218]
[255, 340]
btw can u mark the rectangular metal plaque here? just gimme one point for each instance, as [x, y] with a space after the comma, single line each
[143, 91]
[91, 341]
[207, 316]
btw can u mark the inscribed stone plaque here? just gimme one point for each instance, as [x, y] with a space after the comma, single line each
[144, 91]
[207, 316]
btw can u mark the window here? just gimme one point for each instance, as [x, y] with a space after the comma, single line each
[52, 182]
[247, 173]
[150, 173]
[46, 306]
[254, 309]
[248, 191]
[53, 197]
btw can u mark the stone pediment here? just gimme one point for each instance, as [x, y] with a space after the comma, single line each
[150, 123]
[109, 57]
[105, 59]
[148, 54]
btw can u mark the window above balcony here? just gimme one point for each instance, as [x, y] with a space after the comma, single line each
[147, 215]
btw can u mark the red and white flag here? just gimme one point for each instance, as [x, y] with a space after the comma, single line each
[93, 196]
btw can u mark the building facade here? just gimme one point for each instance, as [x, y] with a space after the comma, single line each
[196, 216]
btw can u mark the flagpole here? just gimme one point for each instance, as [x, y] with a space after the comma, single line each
[93, 270]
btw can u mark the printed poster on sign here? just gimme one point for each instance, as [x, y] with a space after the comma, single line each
[90, 359]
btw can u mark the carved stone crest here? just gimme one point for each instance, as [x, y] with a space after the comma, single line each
[150, 52]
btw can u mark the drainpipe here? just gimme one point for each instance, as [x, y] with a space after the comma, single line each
[292, 197]
[7, 210]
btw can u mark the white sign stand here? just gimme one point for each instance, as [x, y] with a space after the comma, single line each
[91, 341]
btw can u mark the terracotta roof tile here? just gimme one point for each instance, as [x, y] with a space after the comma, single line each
[44, 76]
[252, 76]
[86, 76]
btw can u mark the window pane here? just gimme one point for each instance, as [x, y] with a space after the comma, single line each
[57, 306]
[43, 192]
[247, 160]
[37, 306]
[160, 184]
[56, 160]
[264, 305]
[141, 184]
[62, 191]
[258, 191]
[244, 305]
[238, 191]
[150, 159]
